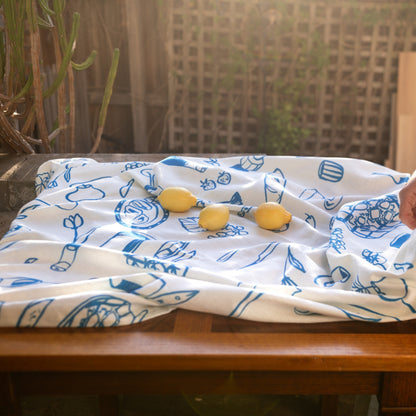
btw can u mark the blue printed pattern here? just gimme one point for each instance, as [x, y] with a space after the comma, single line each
[95, 248]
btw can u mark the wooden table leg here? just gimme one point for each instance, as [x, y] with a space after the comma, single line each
[9, 403]
[398, 394]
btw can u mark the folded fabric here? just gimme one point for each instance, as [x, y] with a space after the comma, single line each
[96, 248]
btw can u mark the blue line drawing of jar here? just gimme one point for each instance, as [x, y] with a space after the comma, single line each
[66, 259]
[274, 186]
[330, 171]
[85, 192]
[80, 193]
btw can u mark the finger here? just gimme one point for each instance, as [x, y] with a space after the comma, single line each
[409, 220]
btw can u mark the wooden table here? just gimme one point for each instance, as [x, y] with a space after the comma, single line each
[195, 353]
[191, 352]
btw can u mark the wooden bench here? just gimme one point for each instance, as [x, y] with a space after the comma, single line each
[191, 352]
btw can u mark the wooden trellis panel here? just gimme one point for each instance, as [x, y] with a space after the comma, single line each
[230, 62]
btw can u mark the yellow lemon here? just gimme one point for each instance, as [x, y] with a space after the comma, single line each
[176, 199]
[271, 216]
[214, 217]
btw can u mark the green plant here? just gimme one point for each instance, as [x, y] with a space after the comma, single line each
[283, 65]
[23, 85]
[265, 75]
[281, 130]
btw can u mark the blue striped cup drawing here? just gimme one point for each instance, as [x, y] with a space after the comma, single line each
[330, 171]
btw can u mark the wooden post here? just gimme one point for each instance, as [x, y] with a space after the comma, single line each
[390, 162]
[134, 10]
[406, 114]
[398, 394]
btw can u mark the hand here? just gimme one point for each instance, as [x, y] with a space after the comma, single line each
[407, 197]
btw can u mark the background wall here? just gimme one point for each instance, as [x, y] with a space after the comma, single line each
[301, 77]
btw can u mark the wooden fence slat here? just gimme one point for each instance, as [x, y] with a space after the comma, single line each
[200, 81]
[137, 59]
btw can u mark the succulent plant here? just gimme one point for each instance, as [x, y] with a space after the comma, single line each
[23, 85]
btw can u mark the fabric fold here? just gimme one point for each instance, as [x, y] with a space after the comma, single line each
[96, 248]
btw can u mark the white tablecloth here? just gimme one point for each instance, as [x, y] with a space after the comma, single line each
[95, 248]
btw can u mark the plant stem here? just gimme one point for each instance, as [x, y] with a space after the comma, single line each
[71, 126]
[66, 58]
[60, 96]
[106, 99]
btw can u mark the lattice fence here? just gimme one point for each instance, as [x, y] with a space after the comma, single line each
[302, 76]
